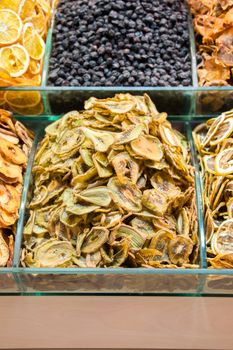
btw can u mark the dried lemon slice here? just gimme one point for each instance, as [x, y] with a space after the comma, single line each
[33, 42]
[10, 27]
[209, 162]
[14, 59]
[222, 240]
[213, 129]
[225, 129]
[224, 162]
[22, 98]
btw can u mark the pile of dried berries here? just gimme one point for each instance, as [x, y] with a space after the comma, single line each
[113, 186]
[23, 30]
[214, 142]
[213, 21]
[121, 43]
[15, 145]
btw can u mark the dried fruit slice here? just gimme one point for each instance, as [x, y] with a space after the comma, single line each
[148, 147]
[222, 240]
[100, 139]
[222, 261]
[10, 4]
[94, 240]
[22, 99]
[224, 130]
[10, 27]
[213, 129]
[14, 59]
[10, 173]
[27, 9]
[53, 253]
[224, 162]
[33, 42]
[4, 251]
[35, 67]
[209, 163]
[135, 237]
[126, 195]
[9, 198]
[12, 153]
[155, 201]
[97, 195]
[45, 5]
[179, 250]
[39, 20]
[29, 111]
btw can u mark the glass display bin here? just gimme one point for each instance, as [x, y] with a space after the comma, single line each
[186, 107]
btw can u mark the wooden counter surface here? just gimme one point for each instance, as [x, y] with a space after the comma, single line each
[116, 322]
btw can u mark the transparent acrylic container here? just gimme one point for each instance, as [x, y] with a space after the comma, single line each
[183, 106]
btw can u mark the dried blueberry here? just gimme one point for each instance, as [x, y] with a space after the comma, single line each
[116, 42]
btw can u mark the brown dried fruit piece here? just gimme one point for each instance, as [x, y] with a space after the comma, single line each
[213, 22]
[13, 160]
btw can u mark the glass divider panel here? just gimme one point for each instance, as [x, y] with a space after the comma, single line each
[48, 49]
[193, 52]
[198, 186]
[23, 203]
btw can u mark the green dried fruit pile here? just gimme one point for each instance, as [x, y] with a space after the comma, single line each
[113, 186]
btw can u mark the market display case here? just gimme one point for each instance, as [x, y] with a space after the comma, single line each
[135, 281]
[115, 307]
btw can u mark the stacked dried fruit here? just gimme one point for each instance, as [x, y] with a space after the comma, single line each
[23, 30]
[213, 21]
[15, 145]
[113, 186]
[214, 141]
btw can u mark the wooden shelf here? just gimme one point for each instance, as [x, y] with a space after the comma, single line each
[116, 322]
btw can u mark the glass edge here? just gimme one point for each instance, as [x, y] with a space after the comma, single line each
[48, 48]
[121, 271]
[120, 88]
[116, 271]
[23, 202]
[200, 212]
[193, 52]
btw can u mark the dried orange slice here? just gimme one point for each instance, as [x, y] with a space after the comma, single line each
[14, 59]
[224, 162]
[45, 5]
[27, 9]
[34, 67]
[22, 99]
[39, 21]
[224, 130]
[10, 4]
[33, 42]
[29, 111]
[10, 27]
